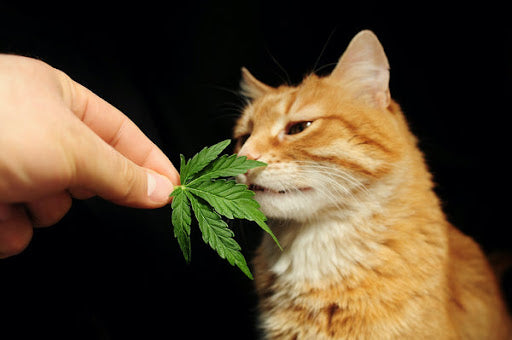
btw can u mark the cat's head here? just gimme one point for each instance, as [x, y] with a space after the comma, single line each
[328, 141]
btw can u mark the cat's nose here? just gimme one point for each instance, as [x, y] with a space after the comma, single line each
[249, 152]
[253, 156]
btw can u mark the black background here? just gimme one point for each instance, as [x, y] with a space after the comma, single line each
[108, 272]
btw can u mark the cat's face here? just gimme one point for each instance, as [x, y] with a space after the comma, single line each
[327, 142]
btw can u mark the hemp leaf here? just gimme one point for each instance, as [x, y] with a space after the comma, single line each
[207, 190]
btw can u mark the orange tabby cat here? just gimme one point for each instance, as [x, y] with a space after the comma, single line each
[368, 253]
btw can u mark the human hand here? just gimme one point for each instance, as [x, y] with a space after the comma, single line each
[59, 140]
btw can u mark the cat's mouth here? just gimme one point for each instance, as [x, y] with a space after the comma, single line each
[259, 188]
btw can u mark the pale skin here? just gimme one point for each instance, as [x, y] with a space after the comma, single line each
[59, 140]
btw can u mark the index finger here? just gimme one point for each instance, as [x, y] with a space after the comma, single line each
[115, 128]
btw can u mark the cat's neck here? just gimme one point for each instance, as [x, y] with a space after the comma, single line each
[319, 248]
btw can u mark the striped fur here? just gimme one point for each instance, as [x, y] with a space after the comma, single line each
[368, 252]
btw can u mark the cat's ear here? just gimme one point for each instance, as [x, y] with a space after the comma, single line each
[252, 87]
[364, 70]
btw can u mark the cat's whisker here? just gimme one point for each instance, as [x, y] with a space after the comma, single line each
[288, 79]
[331, 184]
[325, 179]
[315, 70]
[342, 191]
[334, 191]
[233, 107]
[227, 90]
[337, 200]
[334, 172]
[339, 175]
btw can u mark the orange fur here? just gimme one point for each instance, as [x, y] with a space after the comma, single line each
[368, 252]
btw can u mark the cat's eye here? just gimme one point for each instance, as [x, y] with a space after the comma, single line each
[296, 128]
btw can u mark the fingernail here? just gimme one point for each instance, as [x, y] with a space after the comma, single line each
[159, 187]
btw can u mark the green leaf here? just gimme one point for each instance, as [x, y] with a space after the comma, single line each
[231, 200]
[181, 221]
[227, 166]
[217, 234]
[183, 164]
[201, 160]
[227, 197]
[205, 189]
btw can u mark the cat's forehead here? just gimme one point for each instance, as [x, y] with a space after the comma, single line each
[312, 99]
[290, 103]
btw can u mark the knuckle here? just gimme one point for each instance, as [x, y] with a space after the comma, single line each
[131, 181]
[66, 87]
[117, 136]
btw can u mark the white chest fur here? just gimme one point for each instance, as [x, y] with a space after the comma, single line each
[315, 250]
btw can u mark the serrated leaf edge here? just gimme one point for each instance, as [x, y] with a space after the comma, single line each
[237, 257]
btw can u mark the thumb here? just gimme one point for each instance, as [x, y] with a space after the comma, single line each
[104, 171]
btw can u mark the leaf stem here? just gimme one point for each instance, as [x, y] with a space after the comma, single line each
[177, 189]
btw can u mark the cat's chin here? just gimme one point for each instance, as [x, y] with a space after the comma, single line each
[296, 204]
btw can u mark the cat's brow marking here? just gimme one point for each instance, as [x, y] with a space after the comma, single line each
[290, 103]
[354, 130]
